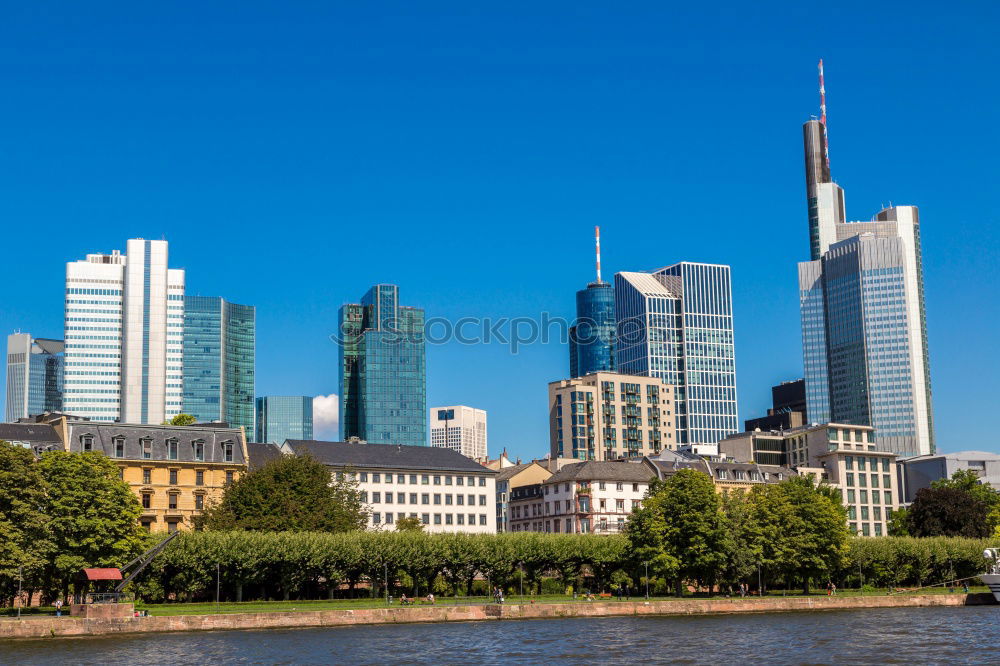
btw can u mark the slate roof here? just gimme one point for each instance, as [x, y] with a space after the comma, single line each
[386, 456]
[104, 433]
[262, 453]
[669, 467]
[37, 435]
[593, 470]
[508, 472]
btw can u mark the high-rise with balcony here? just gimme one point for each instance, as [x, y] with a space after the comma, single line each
[281, 417]
[219, 361]
[124, 335]
[864, 330]
[676, 324]
[383, 378]
[592, 335]
[34, 376]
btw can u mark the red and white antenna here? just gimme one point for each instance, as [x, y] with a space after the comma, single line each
[822, 116]
[597, 236]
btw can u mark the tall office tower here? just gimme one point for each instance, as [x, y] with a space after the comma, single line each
[281, 417]
[34, 376]
[461, 429]
[124, 335]
[383, 378]
[864, 330]
[219, 361]
[592, 336]
[676, 323]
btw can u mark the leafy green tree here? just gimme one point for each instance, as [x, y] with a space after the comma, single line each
[181, 420]
[25, 534]
[290, 493]
[815, 530]
[685, 528]
[409, 524]
[94, 515]
[743, 538]
[899, 523]
[968, 481]
[948, 511]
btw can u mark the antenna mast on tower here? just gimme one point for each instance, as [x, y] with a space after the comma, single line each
[597, 237]
[822, 117]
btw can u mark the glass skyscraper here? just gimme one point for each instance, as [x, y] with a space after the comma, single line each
[864, 330]
[34, 376]
[219, 342]
[677, 324]
[383, 377]
[281, 417]
[592, 336]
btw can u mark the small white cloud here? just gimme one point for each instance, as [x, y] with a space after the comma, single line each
[326, 417]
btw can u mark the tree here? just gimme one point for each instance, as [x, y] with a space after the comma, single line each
[685, 528]
[967, 480]
[181, 420]
[94, 515]
[25, 535]
[899, 524]
[816, 530]
[290, 493]
[409, 524]
[948, 511]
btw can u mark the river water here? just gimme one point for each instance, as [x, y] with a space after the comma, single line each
[885, 636]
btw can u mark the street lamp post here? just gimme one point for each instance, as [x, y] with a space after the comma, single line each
[760, 587]
[218, 579]
[646, 564]
[520, 567]
[386, 581]
[20, 573]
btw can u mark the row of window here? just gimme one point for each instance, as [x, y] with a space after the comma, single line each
[118, 449]
[426, 518]
[424, 479]
[425, 498]
[199, 476]
[173, 497]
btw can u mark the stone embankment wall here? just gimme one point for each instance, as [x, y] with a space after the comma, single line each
[73, 626]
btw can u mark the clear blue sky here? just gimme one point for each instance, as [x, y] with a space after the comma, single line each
[295, 153]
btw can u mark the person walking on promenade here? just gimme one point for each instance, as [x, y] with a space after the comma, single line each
[833, 589]
[58, 604]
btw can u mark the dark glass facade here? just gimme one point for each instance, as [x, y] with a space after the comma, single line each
[219, 356]
[281, 417]
[592, 336]
[383, 378]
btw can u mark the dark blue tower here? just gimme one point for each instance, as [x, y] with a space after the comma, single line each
[592, 336]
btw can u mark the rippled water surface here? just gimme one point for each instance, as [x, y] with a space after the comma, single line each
[889, 636]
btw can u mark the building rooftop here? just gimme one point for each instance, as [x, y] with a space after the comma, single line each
[593, 470]
[647, 284]
[36, 435]
[104, 433]
[361, 455]
[955, 455]
[261, 453]
[508, 472]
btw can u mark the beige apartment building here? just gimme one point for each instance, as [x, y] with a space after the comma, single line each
[610, 416]
[846, 456]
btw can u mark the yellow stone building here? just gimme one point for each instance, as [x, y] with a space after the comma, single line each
[175, 471]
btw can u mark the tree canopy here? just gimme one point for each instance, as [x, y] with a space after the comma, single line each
[289, 493]
[181, 420]
[25, 531]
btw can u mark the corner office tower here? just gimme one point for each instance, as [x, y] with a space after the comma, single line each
[864, 330]
[124, 358]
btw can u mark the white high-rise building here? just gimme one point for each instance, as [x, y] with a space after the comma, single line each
[124, 335]
[461, 429]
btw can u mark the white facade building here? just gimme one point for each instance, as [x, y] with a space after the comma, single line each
[124, 326]
[445, 491]
[581, 498]
[461, 429]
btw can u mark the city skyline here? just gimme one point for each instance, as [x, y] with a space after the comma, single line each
[631, 142]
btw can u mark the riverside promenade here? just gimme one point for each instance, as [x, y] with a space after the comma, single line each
[41, 627]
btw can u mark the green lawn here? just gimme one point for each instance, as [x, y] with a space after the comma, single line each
[211, 608]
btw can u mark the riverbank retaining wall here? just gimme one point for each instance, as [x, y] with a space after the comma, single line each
[36, 627]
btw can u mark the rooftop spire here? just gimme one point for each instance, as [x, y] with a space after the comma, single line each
[597, 237]
[822, 116]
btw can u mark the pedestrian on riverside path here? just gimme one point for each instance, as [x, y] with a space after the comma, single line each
[58, 604]
[833, 589]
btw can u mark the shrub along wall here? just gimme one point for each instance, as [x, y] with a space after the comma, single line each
[259, 565]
